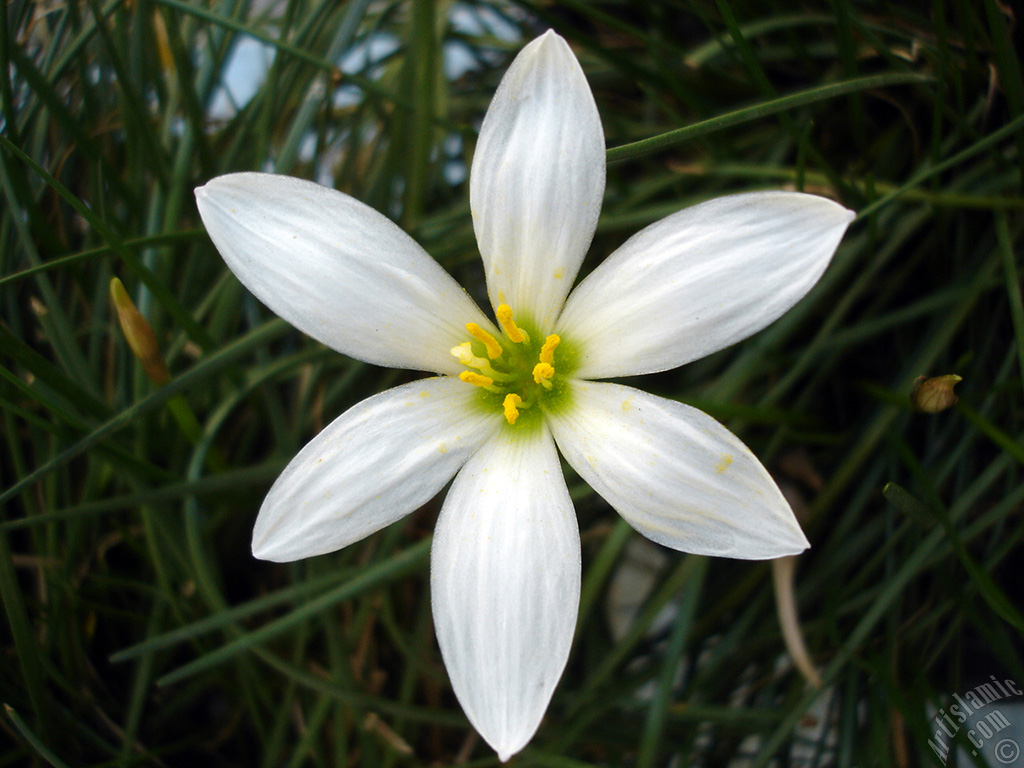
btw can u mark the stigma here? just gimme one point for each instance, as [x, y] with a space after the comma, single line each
[519, 371]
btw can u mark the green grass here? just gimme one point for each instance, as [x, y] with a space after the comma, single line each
[138, 629]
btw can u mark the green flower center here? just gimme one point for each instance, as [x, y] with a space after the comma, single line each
[520, 372]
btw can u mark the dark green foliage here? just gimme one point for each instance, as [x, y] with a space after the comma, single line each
[138, 629]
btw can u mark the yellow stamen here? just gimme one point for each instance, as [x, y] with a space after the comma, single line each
[508, 325]
[547, 352]
[477, 380]
[542, 372]
[478, 333]
[512, 400]
[464, 353]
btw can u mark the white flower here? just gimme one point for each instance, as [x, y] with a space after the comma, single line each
[505, 563]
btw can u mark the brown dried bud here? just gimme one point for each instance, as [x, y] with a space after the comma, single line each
[139, 334]
[934, 394]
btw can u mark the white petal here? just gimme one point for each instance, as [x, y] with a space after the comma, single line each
[337, 270]
[505, 585]
[374, 464]
[700, 280]
[537, 180]
[677, 475]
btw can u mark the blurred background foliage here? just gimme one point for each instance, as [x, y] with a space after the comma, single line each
[138, 629]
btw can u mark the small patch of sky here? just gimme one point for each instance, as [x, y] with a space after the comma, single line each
[455, 170]
[330, 159]
[469, 22]
[244, 74]
[367, 57]
[307, 147]
[479, 20]
[459, 59]
[20, 93]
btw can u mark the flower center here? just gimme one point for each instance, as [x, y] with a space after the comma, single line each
[517, 370]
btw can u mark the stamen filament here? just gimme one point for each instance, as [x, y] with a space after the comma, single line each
[508, 325]
[499, 376]
[491, 343]
[547, 352]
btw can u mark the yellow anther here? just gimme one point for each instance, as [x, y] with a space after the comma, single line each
[464, 353]
[512, 401]
[547, 352]
[508, 325]
[478, 380]
[478, 333]
[542, 373]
